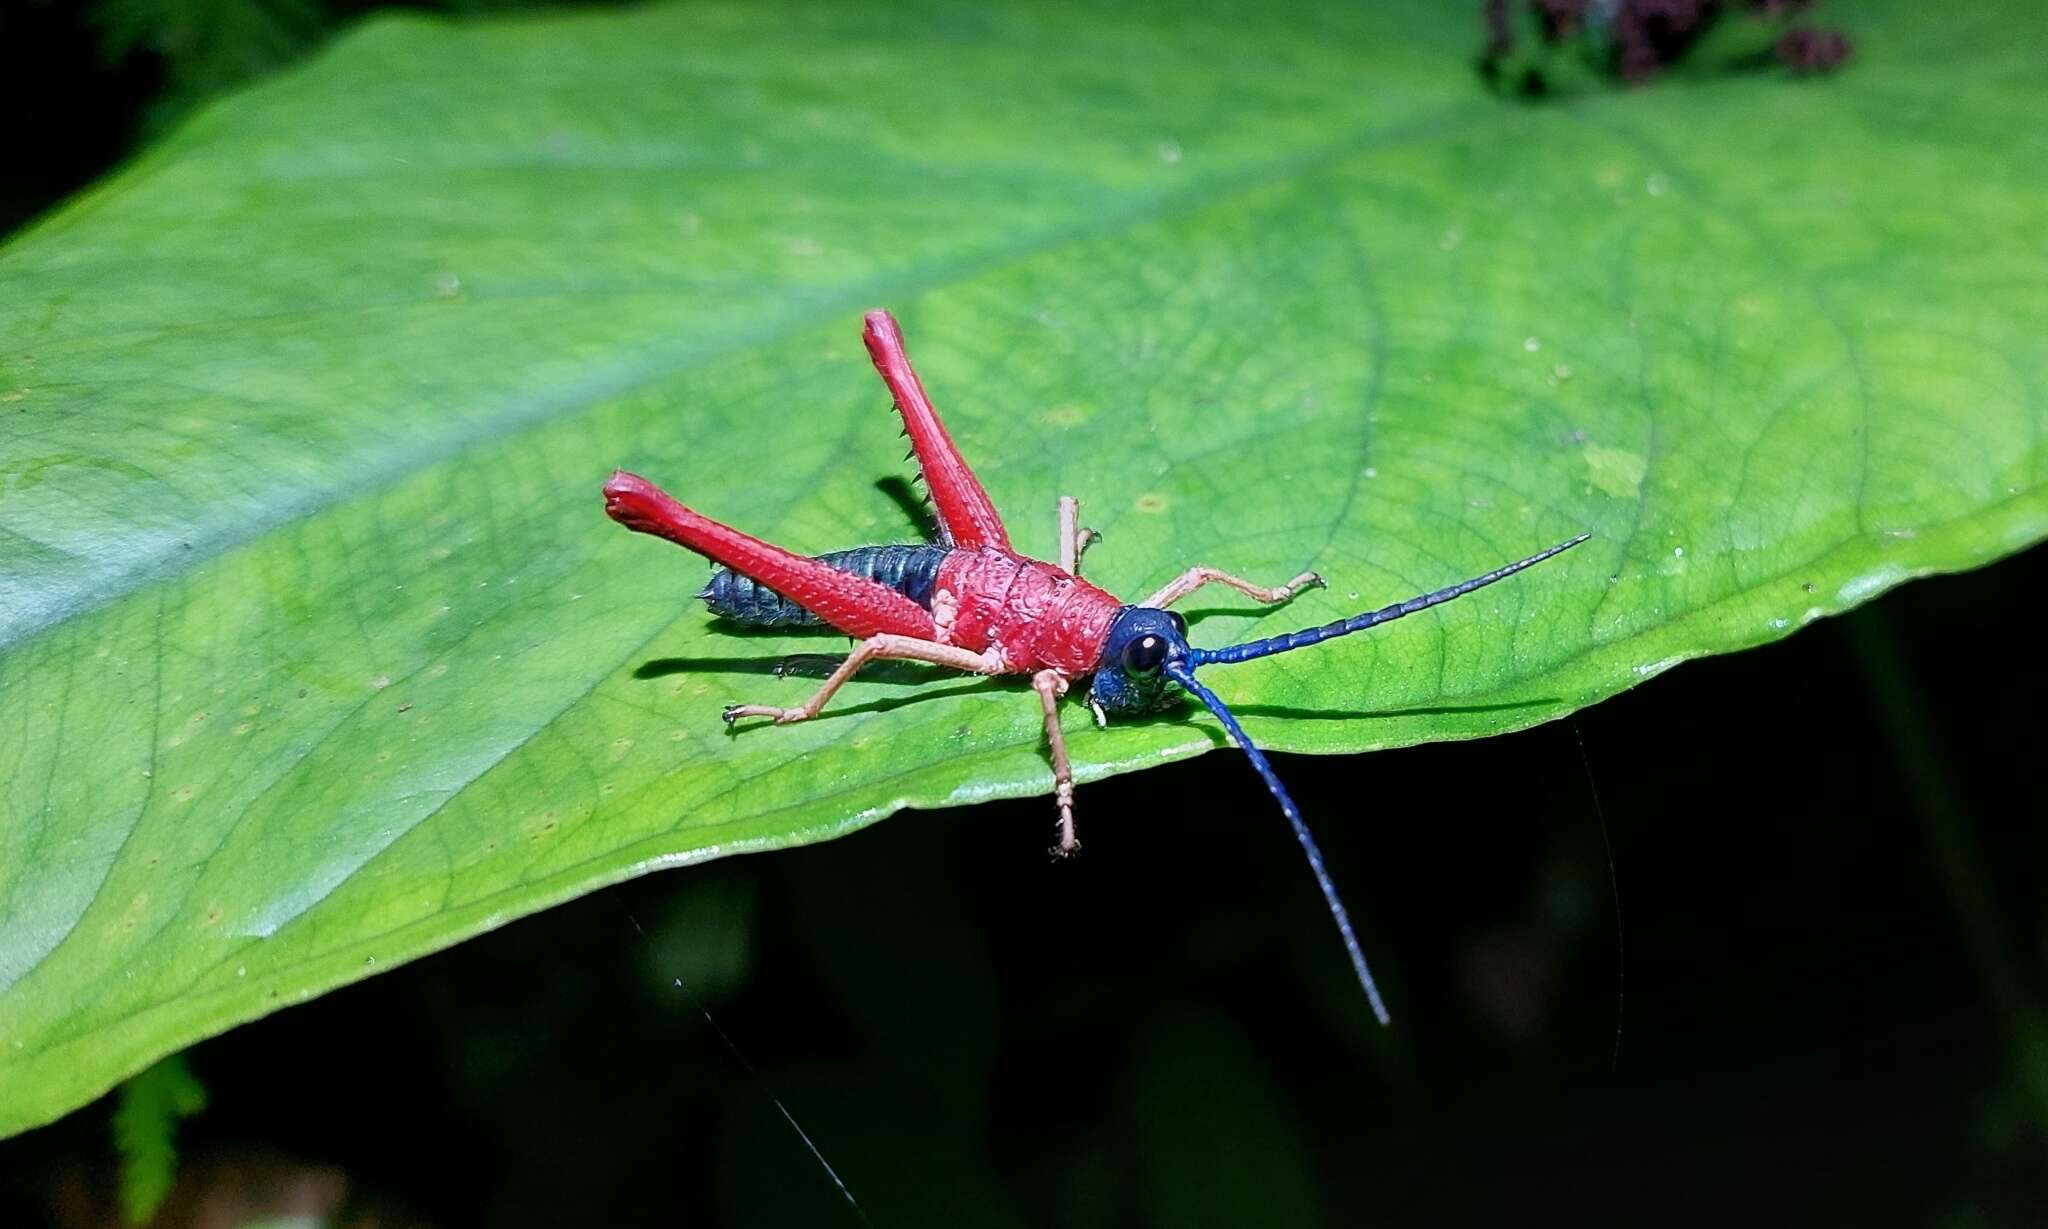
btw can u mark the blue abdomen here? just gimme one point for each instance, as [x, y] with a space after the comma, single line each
[911, 570]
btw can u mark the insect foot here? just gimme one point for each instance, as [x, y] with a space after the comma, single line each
[781, 716]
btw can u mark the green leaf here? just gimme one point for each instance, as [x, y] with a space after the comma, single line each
[319, 654]
[146, 1133]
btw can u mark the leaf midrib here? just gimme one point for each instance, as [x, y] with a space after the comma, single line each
[417, 456]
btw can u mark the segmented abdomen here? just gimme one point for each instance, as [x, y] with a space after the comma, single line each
[908, 569]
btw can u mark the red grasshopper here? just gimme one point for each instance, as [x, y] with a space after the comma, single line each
[972, 603]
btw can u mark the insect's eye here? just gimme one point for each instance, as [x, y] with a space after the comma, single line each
[1144, 655]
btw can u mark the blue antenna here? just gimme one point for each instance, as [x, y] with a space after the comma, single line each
[1372, 618]
[1179, 673]
[1181, 669]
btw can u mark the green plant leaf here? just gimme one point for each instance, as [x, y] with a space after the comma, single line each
[146, 1133]
[319, 654]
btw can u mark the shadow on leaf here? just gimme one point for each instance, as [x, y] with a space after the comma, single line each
[915, 507]
[799, 665]
[1426, 710]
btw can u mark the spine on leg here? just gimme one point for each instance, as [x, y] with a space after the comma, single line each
[965, 514]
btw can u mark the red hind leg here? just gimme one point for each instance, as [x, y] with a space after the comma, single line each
[854, 604]
[965, 513]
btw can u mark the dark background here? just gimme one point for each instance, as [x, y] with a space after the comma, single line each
[1819, 1000]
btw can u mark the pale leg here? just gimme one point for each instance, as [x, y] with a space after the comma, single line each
[1194, 578]
[1073, 540]
[1050, 686]
[902, 648]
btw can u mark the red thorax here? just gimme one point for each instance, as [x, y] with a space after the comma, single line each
[1039, 616]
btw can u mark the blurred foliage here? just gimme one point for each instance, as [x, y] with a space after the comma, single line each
[201, 48]
[206, 46]
[1540, 47]
[146, 1132]
[100, 76]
